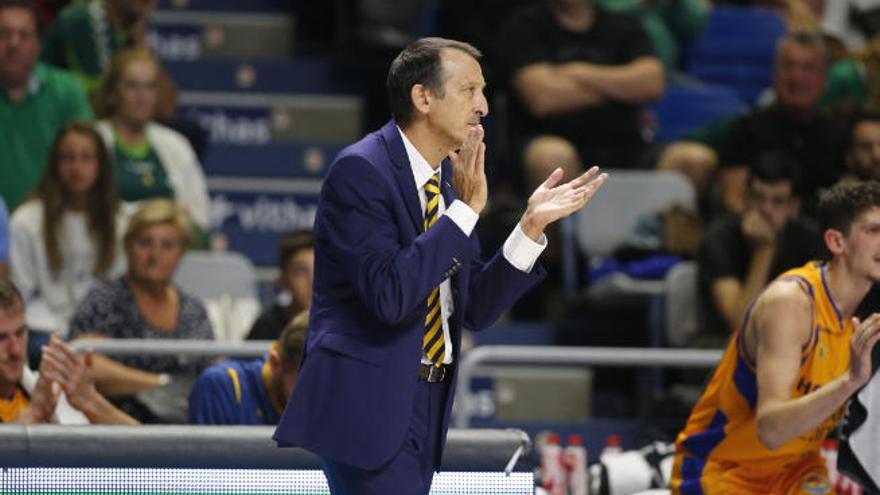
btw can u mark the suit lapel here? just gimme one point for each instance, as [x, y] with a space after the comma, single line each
[457, 281]
[446, 189]
[403, 173]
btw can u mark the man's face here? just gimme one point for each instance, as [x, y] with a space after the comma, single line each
[799, 77]
[863, 245]
[13, 346]
[19, 46]
[296, 278]
[463, 103]
[775, 201]
[863, 157]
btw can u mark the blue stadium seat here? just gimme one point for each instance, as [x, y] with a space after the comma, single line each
[688, 107]
[737, 49]
[263, 76]
[295, 160]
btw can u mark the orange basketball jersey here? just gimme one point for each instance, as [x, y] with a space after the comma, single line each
[718, 451]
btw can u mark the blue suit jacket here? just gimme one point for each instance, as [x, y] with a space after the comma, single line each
[374, 269]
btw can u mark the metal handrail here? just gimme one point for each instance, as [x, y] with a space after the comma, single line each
[173, 347]
[587, 356]
[221, 447]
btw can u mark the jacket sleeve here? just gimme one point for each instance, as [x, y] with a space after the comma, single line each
[360, 217]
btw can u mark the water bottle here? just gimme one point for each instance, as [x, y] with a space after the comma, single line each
[576, 465]
[612, 446]
[840, 483]
[552, 469]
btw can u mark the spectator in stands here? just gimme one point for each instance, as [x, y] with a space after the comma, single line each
[850, 23]
[296, 256]
[541, 156]
[478, 23]
[85, 36]
[151, 160]
[4, 239]
[792, 124]
[144, 303]
[740, 253]
[863, 153]
[36, 101]
[251, 392]
[582, 73]
[69, 231]
[780, 388]
[852, 82]
[670, 24]
[62, 392]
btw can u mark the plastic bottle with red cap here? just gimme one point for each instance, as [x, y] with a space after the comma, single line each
[553, 478]
[576, 465]
[612, 446]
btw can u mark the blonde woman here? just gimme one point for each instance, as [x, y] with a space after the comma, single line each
[144, 303]
[151, 160]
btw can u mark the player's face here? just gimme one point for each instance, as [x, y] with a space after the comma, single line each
[863, 244]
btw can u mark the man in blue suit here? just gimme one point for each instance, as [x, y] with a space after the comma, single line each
[397, 277]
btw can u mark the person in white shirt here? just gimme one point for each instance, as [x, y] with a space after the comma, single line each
[150, 160]
[69, 231]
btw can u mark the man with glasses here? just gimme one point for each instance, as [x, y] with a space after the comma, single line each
[740, 253]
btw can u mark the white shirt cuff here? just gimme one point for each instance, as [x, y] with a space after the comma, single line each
[463, 216]
[522, 252]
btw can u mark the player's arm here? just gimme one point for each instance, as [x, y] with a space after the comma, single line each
[783, 321]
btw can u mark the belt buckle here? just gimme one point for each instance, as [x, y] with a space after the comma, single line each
[435, 374]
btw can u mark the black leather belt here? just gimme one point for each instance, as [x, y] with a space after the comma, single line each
[434, 374]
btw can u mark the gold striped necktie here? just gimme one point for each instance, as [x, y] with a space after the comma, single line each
[433, 342]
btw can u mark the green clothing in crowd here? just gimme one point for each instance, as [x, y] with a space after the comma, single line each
[29, 127]
[847, 85]
[669, 24]
[82, 40]
[139, 172]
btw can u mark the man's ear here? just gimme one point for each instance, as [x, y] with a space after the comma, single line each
[834, 241]
[274, 361]
[421, 98]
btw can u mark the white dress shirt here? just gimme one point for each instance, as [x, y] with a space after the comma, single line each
[518, 250]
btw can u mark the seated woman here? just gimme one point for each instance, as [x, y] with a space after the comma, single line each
[151, 160]
[69, 231]
[144, 304]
